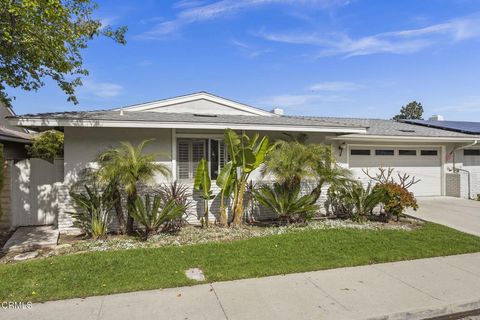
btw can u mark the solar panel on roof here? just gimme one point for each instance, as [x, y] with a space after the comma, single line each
[459, 126]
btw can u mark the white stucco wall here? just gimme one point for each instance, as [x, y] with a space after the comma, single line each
[82, 145]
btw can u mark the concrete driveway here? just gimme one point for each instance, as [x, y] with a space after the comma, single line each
[460, 214]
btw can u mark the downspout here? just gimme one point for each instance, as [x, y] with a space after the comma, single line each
[475, 142]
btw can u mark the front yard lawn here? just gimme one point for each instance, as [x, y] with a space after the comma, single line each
[99, 273]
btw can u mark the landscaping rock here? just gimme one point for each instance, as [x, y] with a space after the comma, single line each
[195, 274]
[26, 256]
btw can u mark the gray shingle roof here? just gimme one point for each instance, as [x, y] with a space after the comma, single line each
[385, 127]
[190, 118]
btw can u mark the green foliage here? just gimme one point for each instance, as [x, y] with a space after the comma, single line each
[128, 166]
[286, 203]
[2, 175]
[291, 162]
[396, 198]
[44, 39]
[93, 210]
[478, 197]
[149, 214]
[47, 145]
[246, 154]
[203, 184]
[180, 193]
[226, 181]
[413, 110]
[362, 200]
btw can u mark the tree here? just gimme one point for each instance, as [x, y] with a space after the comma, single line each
[47, 145]
[413, 110]
[43, 39]
[128, 166]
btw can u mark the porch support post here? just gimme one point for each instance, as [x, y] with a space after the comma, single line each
[174, 154]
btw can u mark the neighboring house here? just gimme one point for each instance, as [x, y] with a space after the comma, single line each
[190, 127]
[13, 140]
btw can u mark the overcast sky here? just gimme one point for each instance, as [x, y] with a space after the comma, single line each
[358, 58]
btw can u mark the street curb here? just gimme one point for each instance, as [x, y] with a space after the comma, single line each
[431, 313]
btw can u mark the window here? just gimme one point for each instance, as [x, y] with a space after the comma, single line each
[360, 152]
[471, 152]
[384, 152]
[191, 151]
[407, 152]
[428, 152]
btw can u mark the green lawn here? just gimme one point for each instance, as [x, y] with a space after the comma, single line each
[99, 273]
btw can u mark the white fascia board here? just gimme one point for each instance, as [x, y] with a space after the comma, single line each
[360, 137]
[194, 97]
[29, 122]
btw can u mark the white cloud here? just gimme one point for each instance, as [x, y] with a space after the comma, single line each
[193, 11]
[101, 89]
[249, 50]
[397, 42]
[335, 86]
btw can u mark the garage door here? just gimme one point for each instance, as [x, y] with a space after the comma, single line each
[471, 162]
[423, 163]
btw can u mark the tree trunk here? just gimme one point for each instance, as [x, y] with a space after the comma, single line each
[316, 192]
[238, 214]
[206, 214]
[119, 210]
[223, 215]
[130, 200]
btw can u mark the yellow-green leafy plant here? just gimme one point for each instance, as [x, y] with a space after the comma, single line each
[203, 184]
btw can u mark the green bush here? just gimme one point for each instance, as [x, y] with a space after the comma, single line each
[286, 203]
[93, 210]
[149, 214]
[396, 199]
[362, 200]
[47, 145]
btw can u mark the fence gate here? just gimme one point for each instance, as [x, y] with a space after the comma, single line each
[34, 200]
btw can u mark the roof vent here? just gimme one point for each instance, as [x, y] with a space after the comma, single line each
[205, 115]
[278, 111]
[436, 117]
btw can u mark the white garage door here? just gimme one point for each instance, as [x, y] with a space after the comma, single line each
[423, 163]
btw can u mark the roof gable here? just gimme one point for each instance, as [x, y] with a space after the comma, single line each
[199, 103]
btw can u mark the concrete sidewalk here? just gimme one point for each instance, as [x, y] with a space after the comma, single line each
[415, 289]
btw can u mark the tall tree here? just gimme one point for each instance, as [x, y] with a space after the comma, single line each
[43, 39]
[413, 110]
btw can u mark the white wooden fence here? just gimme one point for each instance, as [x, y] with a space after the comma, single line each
[34, 192]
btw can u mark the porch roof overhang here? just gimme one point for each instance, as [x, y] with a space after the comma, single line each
[115, 119]
[413, 139]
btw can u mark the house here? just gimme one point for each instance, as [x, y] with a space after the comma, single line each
[190, 127]
[13, 140]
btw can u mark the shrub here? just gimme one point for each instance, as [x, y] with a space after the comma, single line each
[47, 145]
[287, 204]
[93, 210]
[149, 214]
[335, 204]
[2, 175]
[362, 200]
[179, 193]
[396, 199]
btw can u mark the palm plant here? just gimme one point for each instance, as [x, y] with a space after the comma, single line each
[326, 170]
[203, 184]
[226, 182]
[149, 214]
[246, 155]
[287, 204]
[363, 200]
[289, 163]
[128, 166]
[93, 209]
